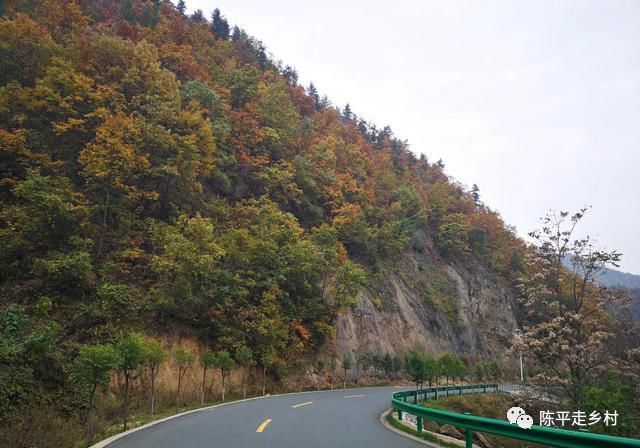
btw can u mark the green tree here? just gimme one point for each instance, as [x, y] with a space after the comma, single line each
[387, 364]
[207, 359]
[225, 363]
[494, 370]
[480, 370]
[181, 7]
[333, 365]
[219, 25]
[396, 364]
[475, 194]
[93, 368]
[154, 355]
[447, 365]
[127, 12]
[183, 359]
[460, 368]
[318, 367]
[431, 369]
[452, 235]
[350, 279]
[346, 366]
[415, 367]
[244, 357]
[131, 351]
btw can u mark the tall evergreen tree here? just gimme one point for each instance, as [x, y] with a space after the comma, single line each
[127, 12]
[181, 7]
[346, 113]
[236, 35]
[475, 194]
[219, 25]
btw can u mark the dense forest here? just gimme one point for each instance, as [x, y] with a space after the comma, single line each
[161, 175]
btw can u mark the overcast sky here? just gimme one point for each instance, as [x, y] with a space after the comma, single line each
[537, 102]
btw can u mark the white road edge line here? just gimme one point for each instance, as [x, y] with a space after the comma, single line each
[355, 396]
[301, 404]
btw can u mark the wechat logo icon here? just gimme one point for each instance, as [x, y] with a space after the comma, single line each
[519, 417]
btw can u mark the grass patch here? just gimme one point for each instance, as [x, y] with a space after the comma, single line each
[424, 435]
[140, 418]
[491, 405]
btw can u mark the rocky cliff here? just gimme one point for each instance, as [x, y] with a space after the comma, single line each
[427, 303]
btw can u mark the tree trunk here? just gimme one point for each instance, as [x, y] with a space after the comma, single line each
[179, 384]
[126, 398]
[264, 379]
[222, 374]
[244, 383]
[104, 220]
[204, 376]
[88, 429]
[153, 390]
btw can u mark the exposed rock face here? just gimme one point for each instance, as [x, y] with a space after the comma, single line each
[468, 311]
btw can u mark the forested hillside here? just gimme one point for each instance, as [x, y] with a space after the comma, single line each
[163, 176]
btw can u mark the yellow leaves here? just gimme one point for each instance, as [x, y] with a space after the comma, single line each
[347, 215]
[200, 131]
[112, 157]
[71, 124]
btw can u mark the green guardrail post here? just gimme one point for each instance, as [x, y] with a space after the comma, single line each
[484, 388]
[419, 425]
[415, 397]
[447, 390]
[436, 397]
[399, 415]
[468, 436]
[459, 390]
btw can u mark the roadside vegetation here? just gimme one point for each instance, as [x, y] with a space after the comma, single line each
[182, 222]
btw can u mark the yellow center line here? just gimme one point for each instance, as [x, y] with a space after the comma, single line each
[301, 404]
[354, 396]
[263, 425]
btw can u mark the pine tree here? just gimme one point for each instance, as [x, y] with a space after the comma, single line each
[198, 16]
[236, 36]
[181, 7]
[219, 25]
[155, 13]
[475, 194]
[127, 12]
[346, 113]
[313, 93]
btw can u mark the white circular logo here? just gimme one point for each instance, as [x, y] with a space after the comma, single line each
[525, 421]
[514, 413]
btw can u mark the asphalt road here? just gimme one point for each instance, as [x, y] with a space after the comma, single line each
[341, 418]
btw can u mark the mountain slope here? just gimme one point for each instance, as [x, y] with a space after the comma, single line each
[161, 174]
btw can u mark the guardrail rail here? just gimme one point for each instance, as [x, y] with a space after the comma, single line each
[554, 437]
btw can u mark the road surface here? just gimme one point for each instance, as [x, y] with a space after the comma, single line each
[346, 418]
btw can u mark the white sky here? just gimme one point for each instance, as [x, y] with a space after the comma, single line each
[537, 102]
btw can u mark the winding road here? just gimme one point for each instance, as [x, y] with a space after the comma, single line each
[346, 418]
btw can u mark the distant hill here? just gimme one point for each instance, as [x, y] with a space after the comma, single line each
[618, 279]
[611, 277]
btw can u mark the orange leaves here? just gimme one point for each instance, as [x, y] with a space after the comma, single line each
[25, 48]
[299, 329]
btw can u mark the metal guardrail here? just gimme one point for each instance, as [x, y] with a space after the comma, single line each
[562, 438]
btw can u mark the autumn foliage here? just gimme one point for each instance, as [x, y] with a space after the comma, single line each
[161, 173]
